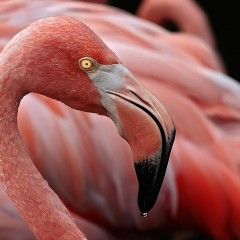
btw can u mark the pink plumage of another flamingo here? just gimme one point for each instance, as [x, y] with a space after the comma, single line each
[186, 14]
[202, 182]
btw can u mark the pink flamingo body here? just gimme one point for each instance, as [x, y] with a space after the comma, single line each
[74, 57]
[194, 194]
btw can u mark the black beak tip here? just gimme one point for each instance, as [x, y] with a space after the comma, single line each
[150, 174]
[150, 177]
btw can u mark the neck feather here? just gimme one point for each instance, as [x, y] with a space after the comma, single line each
[41, 208]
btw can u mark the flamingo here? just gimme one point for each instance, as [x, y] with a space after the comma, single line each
[201, 187]
[195, 22]
[185, 14]
[48, 65]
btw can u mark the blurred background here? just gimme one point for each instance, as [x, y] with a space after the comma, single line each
[224, 21]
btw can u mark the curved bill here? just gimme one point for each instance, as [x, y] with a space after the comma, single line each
[145, 124]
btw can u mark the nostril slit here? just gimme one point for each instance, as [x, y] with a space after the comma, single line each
[139, 98]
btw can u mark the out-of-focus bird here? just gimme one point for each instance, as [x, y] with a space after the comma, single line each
[201, 188]
[176, 15]
[186, 14]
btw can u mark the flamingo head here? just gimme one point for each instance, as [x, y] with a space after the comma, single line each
[63, 59]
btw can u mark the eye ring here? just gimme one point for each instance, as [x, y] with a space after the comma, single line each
[87, 64]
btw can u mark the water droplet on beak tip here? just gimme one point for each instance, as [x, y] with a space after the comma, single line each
[143, 214]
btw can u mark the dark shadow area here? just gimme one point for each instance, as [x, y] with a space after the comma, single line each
[130, 5]
[224, 17]
[171, 26]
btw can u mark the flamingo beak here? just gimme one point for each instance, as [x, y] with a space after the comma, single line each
[146, 125]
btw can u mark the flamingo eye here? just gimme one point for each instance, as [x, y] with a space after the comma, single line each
[87, 63]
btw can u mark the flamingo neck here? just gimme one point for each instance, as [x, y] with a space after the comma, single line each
[40, 207]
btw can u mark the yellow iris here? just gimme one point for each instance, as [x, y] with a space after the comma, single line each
[86, 63]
